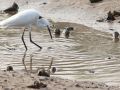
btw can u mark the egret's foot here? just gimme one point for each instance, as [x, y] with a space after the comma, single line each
[40, 48]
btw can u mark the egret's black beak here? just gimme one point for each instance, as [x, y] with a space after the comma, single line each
[49, 31]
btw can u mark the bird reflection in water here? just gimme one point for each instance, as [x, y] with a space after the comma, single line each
[115, 36]
[23, 61]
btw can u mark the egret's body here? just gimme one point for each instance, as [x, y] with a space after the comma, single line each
[22, 19]
[26, 19]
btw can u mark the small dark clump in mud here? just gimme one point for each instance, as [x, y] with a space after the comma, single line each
[43, 72]
[94, 1]
[9, 68]
[12, 10]
[110, 16]
[37, 85]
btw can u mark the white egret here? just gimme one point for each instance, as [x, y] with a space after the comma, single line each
[26, 19]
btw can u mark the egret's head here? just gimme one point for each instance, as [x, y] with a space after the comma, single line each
[42, 22]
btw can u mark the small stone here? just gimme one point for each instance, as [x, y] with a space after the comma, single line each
[57, 32]
[53, 69]
[91, 71]
[9, 68]
[111, 29]
[37, 85]
[109, 57]
[50, 48]
[5, 80]
[43, 73]
[110, 16]
[44, 3]
[67, 31]
[95, 1]
[77, 85]
[51, 79]
[100, 20]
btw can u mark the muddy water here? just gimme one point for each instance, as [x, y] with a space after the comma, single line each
[86, 55]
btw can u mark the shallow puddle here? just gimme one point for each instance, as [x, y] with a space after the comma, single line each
[86, 55]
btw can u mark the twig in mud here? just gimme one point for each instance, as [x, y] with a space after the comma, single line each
[48, 70]
[53, 69]
[50, 64]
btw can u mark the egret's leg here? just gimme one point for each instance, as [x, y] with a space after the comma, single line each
[23, 40]
[32, 40]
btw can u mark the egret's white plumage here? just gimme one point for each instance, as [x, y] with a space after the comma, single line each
[26, 19]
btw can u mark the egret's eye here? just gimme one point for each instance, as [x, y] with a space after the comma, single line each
[40, 17]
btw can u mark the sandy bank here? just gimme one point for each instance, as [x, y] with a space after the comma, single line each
[20, 80]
